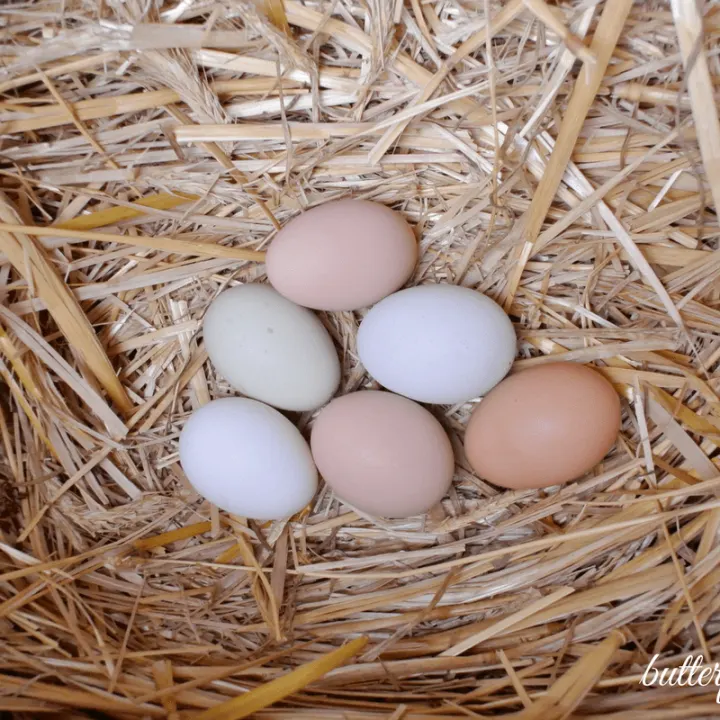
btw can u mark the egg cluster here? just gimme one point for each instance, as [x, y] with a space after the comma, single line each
[379, 451]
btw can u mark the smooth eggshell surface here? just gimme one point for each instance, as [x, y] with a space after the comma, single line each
[437, 343]
[343, 255]
[382, 453]
[248, 459]
[271, 349]
[544, 426]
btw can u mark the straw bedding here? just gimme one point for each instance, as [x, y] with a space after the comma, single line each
[564, 159]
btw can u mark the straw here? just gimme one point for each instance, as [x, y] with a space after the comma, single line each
[28, 258]
[148, 154]
[688, 24]
[604, 40]
[270, 693]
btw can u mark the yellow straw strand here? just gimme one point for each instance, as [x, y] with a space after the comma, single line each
[275, 690]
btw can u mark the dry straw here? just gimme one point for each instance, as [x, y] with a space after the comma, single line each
[562, 158]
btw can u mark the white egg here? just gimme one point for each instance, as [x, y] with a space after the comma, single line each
[271, 349]
[437, 343]
[248, 459]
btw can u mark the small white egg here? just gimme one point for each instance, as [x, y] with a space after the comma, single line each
[437, 343]
[271, 349]
[248, 459]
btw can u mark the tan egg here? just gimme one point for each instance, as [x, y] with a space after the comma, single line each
[342, 255]
[382, 453]
[543, 426]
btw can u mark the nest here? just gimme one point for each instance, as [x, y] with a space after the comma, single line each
[564, 159]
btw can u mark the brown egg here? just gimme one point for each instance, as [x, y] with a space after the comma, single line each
[543, 426]
[382, 453]
[343, 255]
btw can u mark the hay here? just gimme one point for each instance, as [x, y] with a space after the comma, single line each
[148, 151]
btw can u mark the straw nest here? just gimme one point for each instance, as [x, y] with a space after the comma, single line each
[564, 159]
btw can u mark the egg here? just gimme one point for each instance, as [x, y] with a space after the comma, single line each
[342, 255]
[382, 454]
[248, 459]
[437, 343]
[271, 349]
[543, 426]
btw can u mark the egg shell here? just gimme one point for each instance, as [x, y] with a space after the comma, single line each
[271, 349]
[342, 255]
[248, 459]
[382, 453]
[437, 343]
[543, 426]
